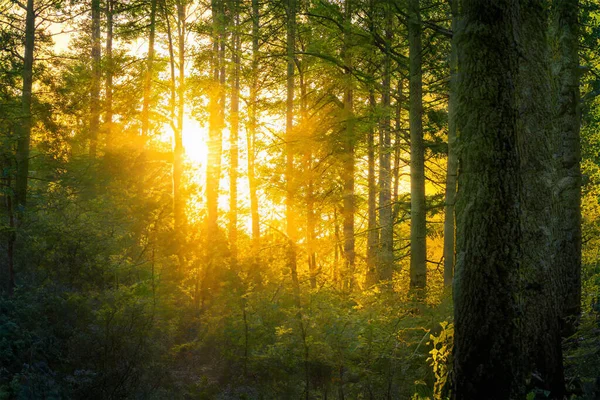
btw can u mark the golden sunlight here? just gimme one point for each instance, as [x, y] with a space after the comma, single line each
[195, 141]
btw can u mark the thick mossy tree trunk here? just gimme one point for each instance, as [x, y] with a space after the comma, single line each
[418, 232]
[507, 339]
[567, 147]
[487, 360]
[541, 308]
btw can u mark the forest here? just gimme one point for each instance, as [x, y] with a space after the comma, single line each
[300, 199]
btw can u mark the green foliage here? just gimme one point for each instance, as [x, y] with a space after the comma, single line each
[440, 359]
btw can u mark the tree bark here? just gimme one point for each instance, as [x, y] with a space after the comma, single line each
[289, 150]
[506, 321]
[234, 135]
[397, 152]
[149, 73]
[216, 118]
[348, 152]
[335, 270]
[23, 126]
[215, 149]
[372, 228]
[178, 108]
[386, 241]
[487, 360]
[95, 84]
[108, 108]
[311, 218]
[567, 148]
[251, 139]
[541, 330]
[177, 164]
[418, 214]
[452, 163]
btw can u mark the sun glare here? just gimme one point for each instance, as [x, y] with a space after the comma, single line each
[195, 141]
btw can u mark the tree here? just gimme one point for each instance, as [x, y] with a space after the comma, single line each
[95, 84]
[539, 295]
[23, 134]
[176, 108]
[452, 164]
[372, 228]
[251, 131]
[23, 127]
[386, 239]
[234, 132]
[505, 310]
[418, 228]
[486, 349]
[289, 150]
[567, 147]
[108, 109]
[149, 72]
[217, 111]
[348, 148]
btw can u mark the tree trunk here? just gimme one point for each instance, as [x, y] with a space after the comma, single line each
[373, 232]
[251, 140]
[96, 76]
[178, 198]
[311, 218]
[397, 152]
[234, 135]
[289, 150]
[311, 222]
[418, 214]
[542, 305]
[506, 330]
[215, 145]
[348, 152]
[177, 156]
[335, 273]
[149, 73]
[567, 148]
[108, 108]
[452, 164]
[386, 241]
[23, 126]
[487, 361]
